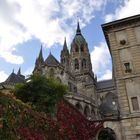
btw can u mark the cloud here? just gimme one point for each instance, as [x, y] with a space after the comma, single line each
[107, 75]
[3, 76]
[101, 61]
[28, 71]
[46, 20]
[126, 9]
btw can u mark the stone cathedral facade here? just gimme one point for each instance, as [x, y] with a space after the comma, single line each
[116, 102]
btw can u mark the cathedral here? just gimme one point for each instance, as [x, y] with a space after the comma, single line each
[116, 102]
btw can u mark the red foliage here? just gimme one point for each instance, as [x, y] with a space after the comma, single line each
[76, 126]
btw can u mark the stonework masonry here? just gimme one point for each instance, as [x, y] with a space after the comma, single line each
[116, 102]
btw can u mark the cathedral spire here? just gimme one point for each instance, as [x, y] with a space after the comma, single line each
[78, 31]
[19, 71]
[65, 48]
[40, 53]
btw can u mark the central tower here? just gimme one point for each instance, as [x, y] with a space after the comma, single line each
[80, 58]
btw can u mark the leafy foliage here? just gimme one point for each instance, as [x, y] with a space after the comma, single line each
[43, 93]
[19, 121]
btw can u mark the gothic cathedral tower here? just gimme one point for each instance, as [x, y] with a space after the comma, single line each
[80, 58]
[65, 56]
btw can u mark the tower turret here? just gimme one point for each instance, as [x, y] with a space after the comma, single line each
[39, 62]
[65, 56]
[80, 57]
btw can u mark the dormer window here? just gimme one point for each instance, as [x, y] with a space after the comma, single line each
[127, 67]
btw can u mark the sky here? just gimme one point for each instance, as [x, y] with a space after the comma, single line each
[25, 25]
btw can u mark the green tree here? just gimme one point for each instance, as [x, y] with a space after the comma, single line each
[41, 92]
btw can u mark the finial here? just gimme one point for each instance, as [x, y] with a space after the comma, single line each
[40, 53]
[78, 31]
[13, 70]
[65, 43]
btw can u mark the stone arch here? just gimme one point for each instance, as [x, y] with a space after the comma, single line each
[84, 63]
[82, 48]
[106, 134]
[79, 107]
[76, 64]
[87, 111]
[76, 48]
[93, 114]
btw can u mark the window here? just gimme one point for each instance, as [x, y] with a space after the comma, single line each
[82, 48]
[76, 48]
[79, 107]
[76, 63]
[137, 32]
[135, 104]
[121, 37]
[127, 67]
[83, 63]
[87, 111]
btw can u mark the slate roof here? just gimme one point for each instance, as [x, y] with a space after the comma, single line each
[105, 84]
[12, 80]
[79, 39]
[52, 61]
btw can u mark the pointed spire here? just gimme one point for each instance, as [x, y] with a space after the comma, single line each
[65, 45]
[19, 71]
[78, 31]
[13, 70]
[40, 53]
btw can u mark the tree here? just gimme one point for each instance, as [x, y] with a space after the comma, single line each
[41, 92]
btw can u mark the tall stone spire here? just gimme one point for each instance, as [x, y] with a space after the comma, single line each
[78, 31]
[40, 54]
[39, 62]
[65, 48]
[65, 55]
[19, 71]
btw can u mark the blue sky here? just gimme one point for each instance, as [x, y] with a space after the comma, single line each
[26, 24]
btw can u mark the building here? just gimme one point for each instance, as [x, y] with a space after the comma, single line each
[12, 80]
[116, 102]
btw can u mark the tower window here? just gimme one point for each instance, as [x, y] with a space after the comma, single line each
[84, 63]
[76, 48]
[127, 67]
[82, 48]
[135, 104]
[76, 64]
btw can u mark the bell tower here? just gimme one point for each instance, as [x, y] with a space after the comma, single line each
[80, 56]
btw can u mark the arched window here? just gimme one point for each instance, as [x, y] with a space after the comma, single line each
[82, 48]
[83, 63]
[87, 111]
[79, 107]
[76, 63]
[107, 134]
[93, 115]
[76, 49]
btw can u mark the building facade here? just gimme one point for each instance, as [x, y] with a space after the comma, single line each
[116, 102]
